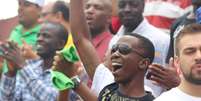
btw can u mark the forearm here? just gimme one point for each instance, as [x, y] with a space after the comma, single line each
[83, 44]
[77, 20]
[63, 95]
[88, 57]
[86, 93]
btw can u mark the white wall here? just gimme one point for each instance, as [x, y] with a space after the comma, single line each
[8, 8]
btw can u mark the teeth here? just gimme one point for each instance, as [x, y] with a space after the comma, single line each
[116, 64]
[39, 46]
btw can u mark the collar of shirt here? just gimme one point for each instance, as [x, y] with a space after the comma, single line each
[37, 66]
[140, 28]
[99, 38]
[19, 29]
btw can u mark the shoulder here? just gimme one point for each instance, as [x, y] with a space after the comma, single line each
[102, 72]
[102, 68]
[157, 32]
[107, 91]
[16, 28]
[168, 95]
[151, 32]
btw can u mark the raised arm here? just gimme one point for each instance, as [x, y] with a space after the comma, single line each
[81, 36]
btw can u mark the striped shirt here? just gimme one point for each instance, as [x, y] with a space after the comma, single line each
[30, 84]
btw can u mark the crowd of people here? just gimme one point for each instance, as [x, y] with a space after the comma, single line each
[123, 53]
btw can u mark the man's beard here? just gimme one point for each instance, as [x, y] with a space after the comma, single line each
[192, 79]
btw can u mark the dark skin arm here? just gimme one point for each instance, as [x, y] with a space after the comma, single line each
[86, 50]
[166, 77]
[63, 95]
[81, 36]
[85, 93]
[28, 52]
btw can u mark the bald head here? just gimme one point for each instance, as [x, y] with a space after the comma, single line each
[106, 3]
[58, 29]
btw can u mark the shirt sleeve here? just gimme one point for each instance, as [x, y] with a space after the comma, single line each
[7, 87]
[40, 89]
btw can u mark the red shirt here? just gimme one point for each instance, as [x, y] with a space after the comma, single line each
[101, 43]
[115, 24]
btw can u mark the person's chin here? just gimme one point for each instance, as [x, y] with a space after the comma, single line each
[21, 21]
[43, 55]
[127, 23]
[40, 52]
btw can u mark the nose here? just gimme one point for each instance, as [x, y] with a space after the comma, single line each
[40, 38]
[127, 8]
[90, 10]
[198, 56]
[116, 54]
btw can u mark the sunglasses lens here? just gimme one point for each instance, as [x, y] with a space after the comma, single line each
[124, 49]
[114, 48]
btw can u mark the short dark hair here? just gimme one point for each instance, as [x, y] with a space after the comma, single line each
[62, 32]
[61, 6]
[190, 29]
[146, 45]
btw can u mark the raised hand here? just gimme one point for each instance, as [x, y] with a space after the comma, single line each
[64, 66]
[28, 52]
[12, 53]
[166, 77]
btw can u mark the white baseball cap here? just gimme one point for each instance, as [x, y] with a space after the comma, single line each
[38, 2]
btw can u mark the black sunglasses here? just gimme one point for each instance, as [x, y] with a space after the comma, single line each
[124, 49]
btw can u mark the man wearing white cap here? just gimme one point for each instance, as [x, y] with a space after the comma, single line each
[26, 32]
[28, 27]
[38, 2]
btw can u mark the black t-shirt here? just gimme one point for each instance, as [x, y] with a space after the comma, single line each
[111, 93]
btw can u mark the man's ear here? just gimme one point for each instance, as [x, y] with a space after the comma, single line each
[177, 64]
[144, 63]
[61, 44]
[39, 11]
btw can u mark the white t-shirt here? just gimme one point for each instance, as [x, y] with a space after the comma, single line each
[175, 94]
[102, 77]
